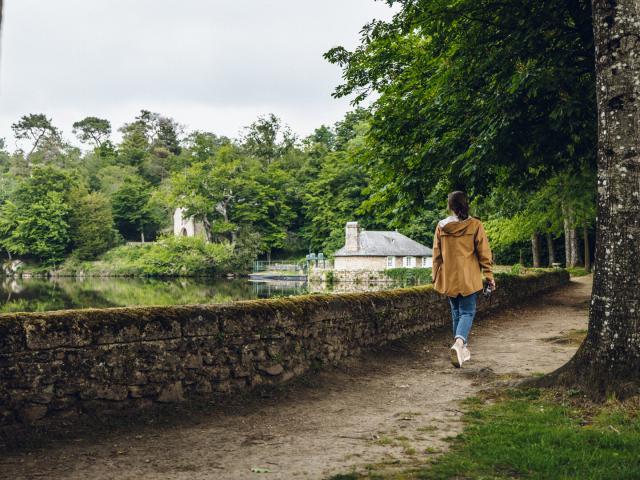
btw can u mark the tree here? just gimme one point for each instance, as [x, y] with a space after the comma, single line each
[132, 210]
[112, 177]
[134, 147]
[92, 130]
[514, 216]
[151, 144]
[41, 231]
[231, 191]
[467, 90]
[347, 128]
[203, 145]
[333, 199]
[167, 136]
[267, 138]
[91, 225]
[609, 359]
[36, 128]
[35, 222]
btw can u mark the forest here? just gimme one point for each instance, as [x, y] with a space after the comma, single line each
[500, 104]
[268, 191]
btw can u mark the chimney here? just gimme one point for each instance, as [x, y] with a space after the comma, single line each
[352, 237]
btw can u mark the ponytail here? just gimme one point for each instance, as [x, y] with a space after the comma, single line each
[458, 204]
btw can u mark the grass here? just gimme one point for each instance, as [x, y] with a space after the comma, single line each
[570, 337]
[538, 435]
[578, 271]
[519, 269]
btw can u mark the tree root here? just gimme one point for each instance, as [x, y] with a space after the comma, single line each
[597, 383]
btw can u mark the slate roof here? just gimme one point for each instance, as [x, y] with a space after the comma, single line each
[383, 244]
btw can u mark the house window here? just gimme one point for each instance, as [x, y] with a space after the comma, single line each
[391, 262]
[409, 262]
[425, 262]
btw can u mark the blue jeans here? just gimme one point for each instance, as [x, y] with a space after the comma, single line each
[463, 310]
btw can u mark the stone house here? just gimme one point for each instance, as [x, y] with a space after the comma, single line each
[184, 226]
[376, 251]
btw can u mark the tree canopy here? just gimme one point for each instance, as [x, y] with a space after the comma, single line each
[475, 94]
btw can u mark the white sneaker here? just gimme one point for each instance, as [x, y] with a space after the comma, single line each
[456, 355]
[466, 354]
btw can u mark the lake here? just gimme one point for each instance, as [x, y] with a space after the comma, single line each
[38, 294]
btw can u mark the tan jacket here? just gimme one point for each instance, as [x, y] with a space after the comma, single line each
[460, 254]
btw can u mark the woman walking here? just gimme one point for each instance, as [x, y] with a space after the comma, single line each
[461, 254]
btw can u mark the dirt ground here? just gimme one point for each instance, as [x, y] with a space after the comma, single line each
[394, 406]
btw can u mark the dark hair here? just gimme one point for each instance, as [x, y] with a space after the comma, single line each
[458, 204]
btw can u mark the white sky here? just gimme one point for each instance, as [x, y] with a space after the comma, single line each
[213, 65]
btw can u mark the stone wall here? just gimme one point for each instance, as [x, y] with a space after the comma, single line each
[358, 277]
[65, 363]
[360, 262]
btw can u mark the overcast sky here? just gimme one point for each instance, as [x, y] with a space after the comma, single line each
[213, 65]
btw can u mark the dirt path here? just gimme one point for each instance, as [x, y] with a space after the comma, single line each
[395, 405]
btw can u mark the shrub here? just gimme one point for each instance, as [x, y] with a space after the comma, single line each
[409, 276]
[170, 256]
[516, 269]
[329, 277]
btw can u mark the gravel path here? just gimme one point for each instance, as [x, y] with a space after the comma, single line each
[393, 406]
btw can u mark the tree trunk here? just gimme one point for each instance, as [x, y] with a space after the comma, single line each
[575, 246]
[551, 248]
[568, 252]
[572, 255]
[587, 253]
[535, 250]
[608, 362]
[142, 235]
[207, 228]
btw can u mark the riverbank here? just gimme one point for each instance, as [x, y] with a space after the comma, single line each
[168, 257]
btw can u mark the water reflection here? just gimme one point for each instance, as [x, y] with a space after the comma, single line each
[35, 294]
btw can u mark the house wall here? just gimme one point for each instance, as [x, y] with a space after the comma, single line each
[373, 264]
[360, 263]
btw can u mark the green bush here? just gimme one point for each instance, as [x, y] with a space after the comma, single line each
[409, 276]
[329, 277]
[170, 256]
[516, 269]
